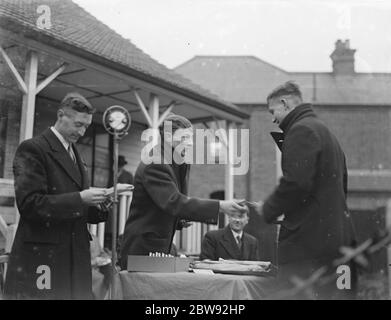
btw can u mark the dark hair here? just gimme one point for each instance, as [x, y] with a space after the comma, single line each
[178, 122]
[289, 88]
[77, 102]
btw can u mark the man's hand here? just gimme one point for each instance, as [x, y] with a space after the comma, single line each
[107, 204]
[257, 206]
[232, 207]
[92, 196]
[185, 223]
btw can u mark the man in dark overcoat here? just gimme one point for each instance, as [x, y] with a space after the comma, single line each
[160, 202]
[311, 195]
[50, 257]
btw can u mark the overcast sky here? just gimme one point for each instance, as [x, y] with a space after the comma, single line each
[295, 35]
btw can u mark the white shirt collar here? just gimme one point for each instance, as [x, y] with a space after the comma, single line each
[60, 137]
[240, 234]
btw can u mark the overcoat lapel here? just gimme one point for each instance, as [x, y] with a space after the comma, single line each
[60, 155]
[229, 243]
[82, 168]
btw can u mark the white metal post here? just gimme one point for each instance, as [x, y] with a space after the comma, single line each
[278, 164]
[122, 213]
[154, 110]
[93, 229]
[278, 177]
[43, 84]
[101, 234]
[165, 114]
[229, 176]
[142, 107]
[28, 106]
[14, 71]
[29, 88]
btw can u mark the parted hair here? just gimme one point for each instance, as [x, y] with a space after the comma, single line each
[289, 88]
[178, 122]
[77, 102]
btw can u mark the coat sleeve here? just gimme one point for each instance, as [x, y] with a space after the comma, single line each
[208, 247]
[299, 164]
[159, 183]
[96, 215]
[31, 189]
[182, 224]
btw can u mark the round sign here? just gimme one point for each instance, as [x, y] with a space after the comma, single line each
[116, 120]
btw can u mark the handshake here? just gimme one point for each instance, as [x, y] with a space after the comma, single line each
[234, 208]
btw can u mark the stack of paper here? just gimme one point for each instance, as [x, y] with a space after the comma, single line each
[233, 266]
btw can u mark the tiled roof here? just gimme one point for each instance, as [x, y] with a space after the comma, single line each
[72, 25]
[248, 80]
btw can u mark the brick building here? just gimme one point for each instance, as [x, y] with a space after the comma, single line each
[356, 106]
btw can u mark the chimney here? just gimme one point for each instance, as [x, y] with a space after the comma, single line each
[343, 58]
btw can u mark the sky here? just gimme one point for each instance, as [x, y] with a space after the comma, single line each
[295, 35]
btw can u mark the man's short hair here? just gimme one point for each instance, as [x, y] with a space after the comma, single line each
[178, 122]
[247, 212]
[77, 102]
[289, 88]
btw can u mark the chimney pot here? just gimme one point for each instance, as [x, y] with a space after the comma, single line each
[343, 58]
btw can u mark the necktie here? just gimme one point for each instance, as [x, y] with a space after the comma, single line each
[71, 154]
[239, 241]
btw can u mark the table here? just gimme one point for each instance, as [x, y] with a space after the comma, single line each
[191, 286]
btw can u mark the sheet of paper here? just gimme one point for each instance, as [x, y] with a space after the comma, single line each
[121, 187]
[203, 271]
